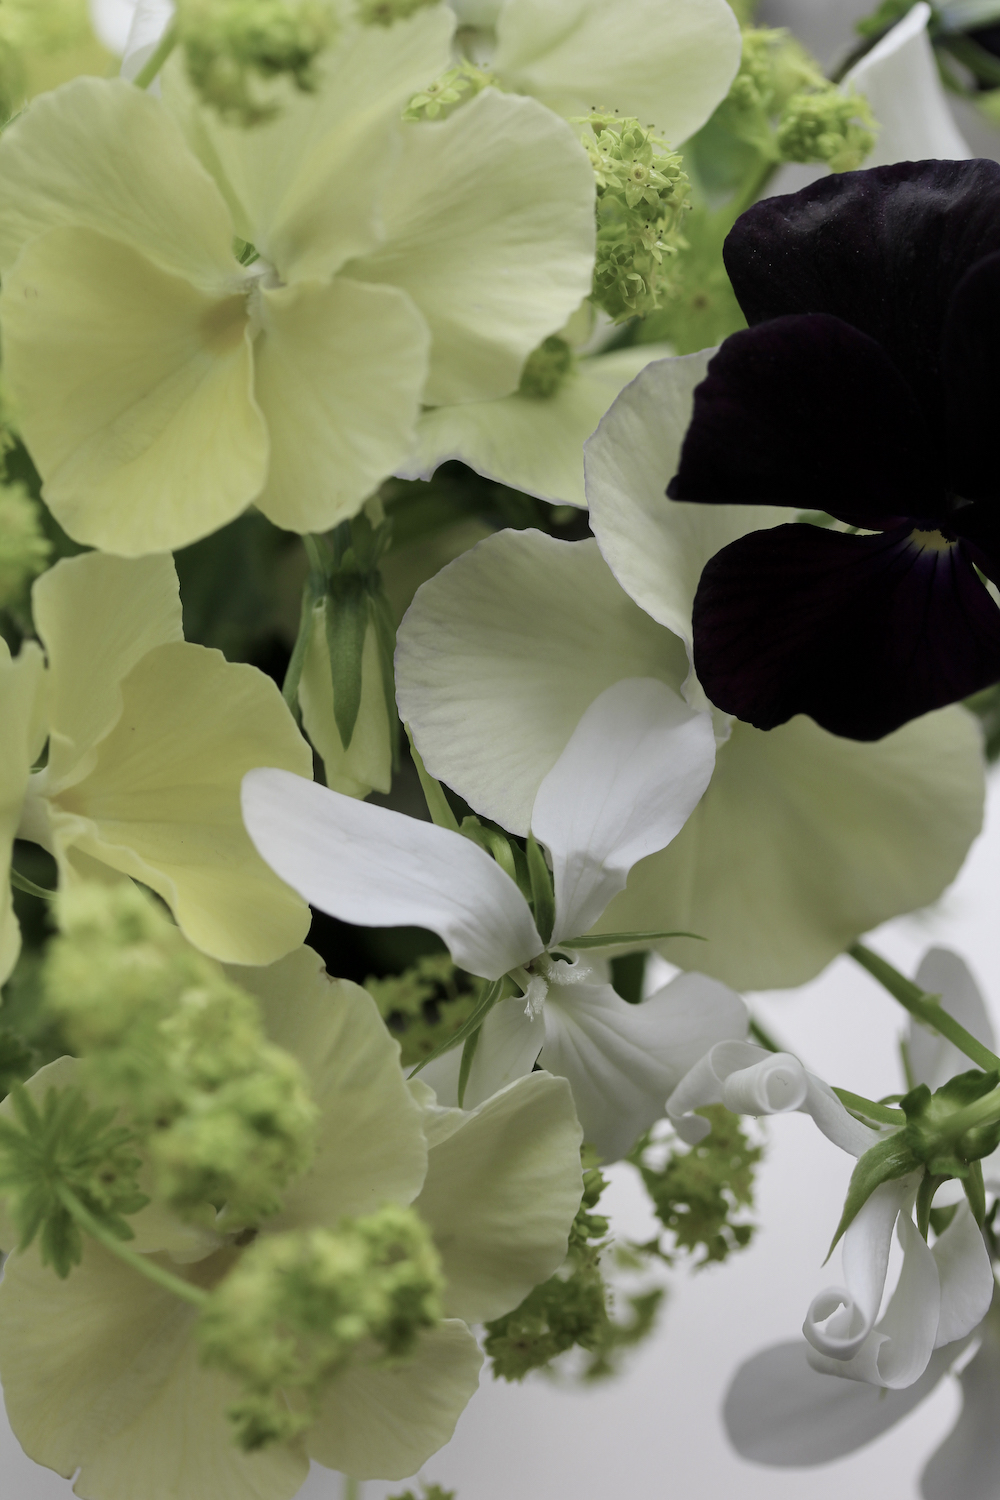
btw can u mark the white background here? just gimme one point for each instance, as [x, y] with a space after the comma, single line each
[655, 1432]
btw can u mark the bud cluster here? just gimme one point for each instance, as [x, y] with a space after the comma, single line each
[230, 46]
[440, 98]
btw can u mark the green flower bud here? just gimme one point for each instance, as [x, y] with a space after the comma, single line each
[295, 1309]
[24, 548]
[827, 126]
[546, 368]
[642, 195]
[231, 45]
[226, 1118]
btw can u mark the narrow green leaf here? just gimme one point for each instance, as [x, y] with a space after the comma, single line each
[22, 883]
[492, 991]
[883, 1162]
[347, 609]
[612, 939]
[542, 896]
[880, 1113]
[437, 803]
[468, 1053]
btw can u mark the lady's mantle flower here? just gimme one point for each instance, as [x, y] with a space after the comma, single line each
[101, 1372]
[280, 300]
[148, 737]
[629, 777]
[861, 389]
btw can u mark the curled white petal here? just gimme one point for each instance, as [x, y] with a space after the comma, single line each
[899, 78]
[772, 1086]
[966, 1276]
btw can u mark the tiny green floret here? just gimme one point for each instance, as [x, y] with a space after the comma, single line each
[232, 46]
[546, 368]
[445, 94]
[829, 126]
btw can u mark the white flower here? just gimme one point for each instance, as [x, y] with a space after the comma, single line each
[626, 782]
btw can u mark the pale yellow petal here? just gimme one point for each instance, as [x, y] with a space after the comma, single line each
[303, 189]
[530, 443]
[22, 698]
[104, 155]
[371, 1147]
[669, 64]
[100, 1372]
[163, 798]
[366, 764]
[97, 616]
[501, 1193]
[804, 841]
[133, 390]
[501, 653]
[340, 369]
[383, 1423]
[489, 226]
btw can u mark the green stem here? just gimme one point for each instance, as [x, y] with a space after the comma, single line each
[926, 1008]
[144, 1264]
[764, 1038]
[22, 883]
[985, 1111]
[437, 803]
[314, 552]
[859, 1105]
[352, 1488]
[152, 65]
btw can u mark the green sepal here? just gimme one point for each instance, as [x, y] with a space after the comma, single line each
[492, 991]
[883, 1162]
[543, 899]
[347, 612]
[613, 939]
[975, 1191]
[929, 1116]
[493, 841]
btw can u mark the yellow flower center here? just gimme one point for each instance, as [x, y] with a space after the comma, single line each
[931, 541]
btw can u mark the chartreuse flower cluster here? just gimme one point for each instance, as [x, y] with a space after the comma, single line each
[263, 1233]
[43, 42]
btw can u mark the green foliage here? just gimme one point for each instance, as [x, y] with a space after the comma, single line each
[230, 46]
[701, 1191]
[293, 1311]
[642, 195]
[425, 1005]
[226, 1117]
[571, 1309]
[24, 547]
[65, 1147]
[32, 27]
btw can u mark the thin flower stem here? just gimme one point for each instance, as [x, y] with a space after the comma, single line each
[763, 1037]
[22, 883]
[144, 1264]
[437, 803]
[352, 1488]
[153, 64]
[926, 1008]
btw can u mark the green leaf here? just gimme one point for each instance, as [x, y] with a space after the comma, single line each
[883, 1162]
[543, 899]
[611, 939]
[491, 994]
[347, 611]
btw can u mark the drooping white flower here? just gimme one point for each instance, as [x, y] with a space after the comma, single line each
[624, 785]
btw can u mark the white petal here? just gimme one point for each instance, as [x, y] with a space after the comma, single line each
[705, 1082]
[899, 78]
[530, 443]
[623, 1060]
[635, 768]
[377, 868]
[657, 547]
[668, 64]
[772, 1086]
[966, 1465]
[509, 1044]
[966, 1275]
[933, 1059]
[780, 1411]
[150, 20]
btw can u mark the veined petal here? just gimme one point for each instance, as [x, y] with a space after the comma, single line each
[162, 799]
[97, 616]
[932, 1058]
[657, 547]
[489, 226]
[377, 868]
[501, 653]
[966, 1462]
[623, 1060]
[383, 1422]
[668, 65]
[101, 1373]
[22, 699]
[899, 78]
[134, 393]
[339, 371]
[632, 773]
[966, 1276]
[508, 1049]
[304, 188]
[500, 1196]
[370, 1146]
[804, 841]
[106, 156]
[780, 1411]
[531, 443]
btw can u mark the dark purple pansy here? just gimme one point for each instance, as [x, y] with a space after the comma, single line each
[867, 386]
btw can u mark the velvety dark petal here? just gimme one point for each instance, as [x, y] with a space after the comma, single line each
[807, 411]
[972, 383]
[883, 249]
[861, 632]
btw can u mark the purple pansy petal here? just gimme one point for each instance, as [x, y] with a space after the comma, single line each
[861, 632]
[882, 249]
[972, 383]
[807, 411]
